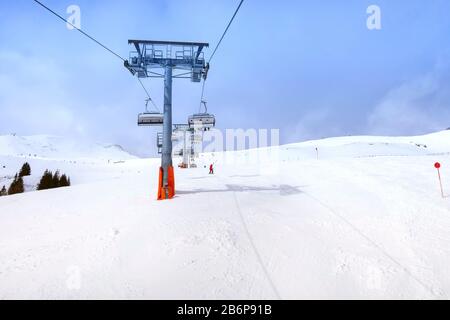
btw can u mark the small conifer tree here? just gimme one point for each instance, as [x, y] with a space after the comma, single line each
[46, 181]
[56, 180]
[16, 186]
[63, 182]
[25, 170]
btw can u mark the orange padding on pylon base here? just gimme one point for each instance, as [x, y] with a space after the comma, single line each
[171, 181]
[170, 184]
[161, 193]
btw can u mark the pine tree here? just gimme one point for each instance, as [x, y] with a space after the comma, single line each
[63, 182]
[12, 187]
[46, 181]
[25, 170]
[3, 191]
[19, 185]
[16, 186]
[56, 180]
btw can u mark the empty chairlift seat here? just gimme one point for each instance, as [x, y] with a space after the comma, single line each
[150, 119]
[159, 142]
[202, 121]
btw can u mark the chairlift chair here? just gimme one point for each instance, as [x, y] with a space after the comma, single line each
[203, 120]
[150, 118]
[159, 142]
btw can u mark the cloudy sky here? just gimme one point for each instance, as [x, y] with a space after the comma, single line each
[310, 68]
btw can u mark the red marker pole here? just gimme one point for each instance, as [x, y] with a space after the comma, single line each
[437, 165]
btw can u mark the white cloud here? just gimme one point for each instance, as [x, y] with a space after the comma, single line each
[315, 124]
[417, 106]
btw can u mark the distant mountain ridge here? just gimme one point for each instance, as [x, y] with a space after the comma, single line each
[58, 147]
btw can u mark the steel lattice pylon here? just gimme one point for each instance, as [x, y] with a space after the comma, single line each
[148, 61]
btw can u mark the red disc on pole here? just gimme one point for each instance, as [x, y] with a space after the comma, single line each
[437, 165]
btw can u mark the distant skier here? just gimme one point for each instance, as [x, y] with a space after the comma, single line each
[211, 169]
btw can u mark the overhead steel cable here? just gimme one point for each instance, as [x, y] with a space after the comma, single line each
[97, 42]
[82, 32]
[148, 95]
[225, 32]
[201, 99]
[217, 47]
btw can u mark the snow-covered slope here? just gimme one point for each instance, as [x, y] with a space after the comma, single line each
[55, 147]
[365, 220]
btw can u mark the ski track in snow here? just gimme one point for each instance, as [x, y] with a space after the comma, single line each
[365, 225]
[255, 250]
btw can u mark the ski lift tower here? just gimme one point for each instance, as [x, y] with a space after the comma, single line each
[158, 59]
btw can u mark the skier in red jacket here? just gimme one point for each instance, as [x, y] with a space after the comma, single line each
[211, 169]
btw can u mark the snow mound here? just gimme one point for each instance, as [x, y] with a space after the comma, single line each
[371, 146]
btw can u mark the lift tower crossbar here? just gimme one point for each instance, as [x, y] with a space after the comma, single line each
[159, 59]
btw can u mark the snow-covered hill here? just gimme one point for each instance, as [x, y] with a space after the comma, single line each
[55, 147]
[370, 146]
[82, 160]
[365, 220]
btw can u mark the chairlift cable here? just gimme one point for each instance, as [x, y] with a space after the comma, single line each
[225, 32]
[97, 42]
[81, 31]
[217, 47]
[148, 95]
[201, 99]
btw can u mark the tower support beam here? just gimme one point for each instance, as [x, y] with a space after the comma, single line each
[166, 158]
